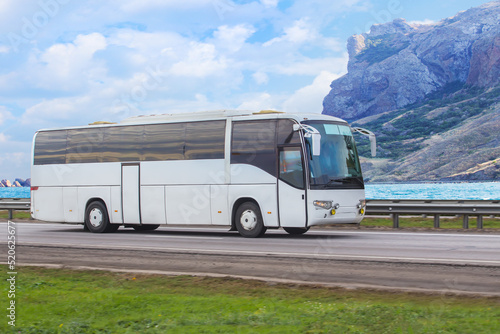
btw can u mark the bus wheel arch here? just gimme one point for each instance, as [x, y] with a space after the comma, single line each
[97, 217]
[247, 218]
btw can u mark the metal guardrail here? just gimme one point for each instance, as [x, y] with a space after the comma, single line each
[395, 208]
[465, 208]
[11, 204]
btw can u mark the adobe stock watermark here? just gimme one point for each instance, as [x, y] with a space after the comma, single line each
[222, 7]
[48, 9]
[11, 273]
[153, 78]
[389, 13]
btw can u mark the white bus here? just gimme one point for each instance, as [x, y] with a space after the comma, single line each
[249, 171]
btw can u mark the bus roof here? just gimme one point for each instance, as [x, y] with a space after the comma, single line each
[221, 114]
[205, 116]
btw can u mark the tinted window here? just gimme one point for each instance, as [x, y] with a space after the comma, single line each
[205, 140]
[291, 167]
[50, 147]
[152, 142]
[122, 143]
[285, 132]
[84, 145]
[164, 142]
[254, 143]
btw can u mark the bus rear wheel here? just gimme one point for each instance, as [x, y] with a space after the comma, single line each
[296, 230]
[97, 220]
[145, 227]
[249, 221]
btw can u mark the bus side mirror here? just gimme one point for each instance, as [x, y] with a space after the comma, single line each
[371, 137]
[313, 135]
[316, 143]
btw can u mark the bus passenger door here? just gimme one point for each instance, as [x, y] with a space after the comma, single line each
[291, 187]
[131, 194]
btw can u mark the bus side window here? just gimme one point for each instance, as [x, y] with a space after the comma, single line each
[291, 169]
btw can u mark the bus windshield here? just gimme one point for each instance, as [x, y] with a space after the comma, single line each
[338, 164]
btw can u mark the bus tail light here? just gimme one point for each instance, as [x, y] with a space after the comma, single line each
[34, 188]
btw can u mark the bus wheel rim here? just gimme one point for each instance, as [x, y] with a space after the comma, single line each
[248, 220]
[95, 217]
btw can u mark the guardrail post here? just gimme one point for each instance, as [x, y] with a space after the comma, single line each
[436, 221]
[395, 220]
[465, 224]
[480, 222]
[10, 213]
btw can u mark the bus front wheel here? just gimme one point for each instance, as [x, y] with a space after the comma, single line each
[249, 221]
[97, 220]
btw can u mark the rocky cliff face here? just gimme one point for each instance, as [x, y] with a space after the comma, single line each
[397, 64]
[431, 94]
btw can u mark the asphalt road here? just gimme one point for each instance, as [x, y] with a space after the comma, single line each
[437, 262]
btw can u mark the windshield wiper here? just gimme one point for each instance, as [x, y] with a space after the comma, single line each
[338, 180]
[343, 180]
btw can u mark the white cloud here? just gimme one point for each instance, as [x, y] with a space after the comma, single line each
[298, 33]
[233, 38]
[3, 138]
[260, 78]
[260, 101]
[201, 61]
[309, 99]
[269, 3]
[16, 164]
[303, 32]
[70, 65]
[310, 66]
[4, 49]
[5, 115]
[60, 109]
[144, 5]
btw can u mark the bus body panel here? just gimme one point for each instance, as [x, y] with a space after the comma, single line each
[248, 174]
[48, 204]
[263, 194]
[220, 212]
[188, 204]
[180, 172]
[115, 205]
[77, 175]
[292, 206]
[71, 207]
[347, 212]
[153, 201]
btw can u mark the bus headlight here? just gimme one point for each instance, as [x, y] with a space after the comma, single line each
[361, 206]
[323, 204]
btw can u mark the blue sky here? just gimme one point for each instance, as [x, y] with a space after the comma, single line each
[70, 62]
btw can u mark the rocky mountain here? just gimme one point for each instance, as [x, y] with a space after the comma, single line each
[431, 95]
[16, 183]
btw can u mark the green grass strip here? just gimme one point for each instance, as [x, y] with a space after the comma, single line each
[70, 301]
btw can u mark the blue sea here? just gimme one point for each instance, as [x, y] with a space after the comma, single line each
[456, 190]
[435, 191]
